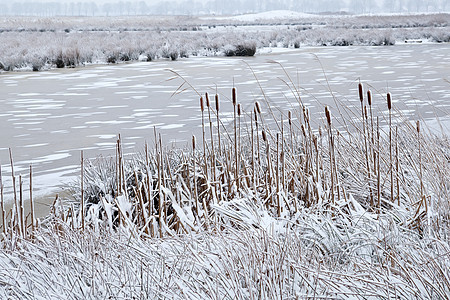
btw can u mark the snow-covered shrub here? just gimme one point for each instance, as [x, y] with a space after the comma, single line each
[248, 49]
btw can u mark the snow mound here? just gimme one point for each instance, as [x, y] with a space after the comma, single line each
[270, 15]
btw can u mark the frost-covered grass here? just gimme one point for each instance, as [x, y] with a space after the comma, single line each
[351, 203]
[40, 43]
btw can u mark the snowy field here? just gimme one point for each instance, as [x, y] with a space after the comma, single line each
[40, 43]
[312, 172]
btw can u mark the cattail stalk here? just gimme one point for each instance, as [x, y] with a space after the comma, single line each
[389, 104]
[213, 155]
[202, 107]
[258, 155]
[330, 134]
[218, 122]
[366, 152]
[372, 138]
[236, 153]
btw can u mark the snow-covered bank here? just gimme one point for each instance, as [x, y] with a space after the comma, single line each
[36, 44]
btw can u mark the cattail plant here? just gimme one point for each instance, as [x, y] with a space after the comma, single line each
[331, 145]
[236, 153]
[391, 171]
[365, 138]
[218, 121]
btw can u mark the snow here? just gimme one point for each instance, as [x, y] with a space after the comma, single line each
[268, 15]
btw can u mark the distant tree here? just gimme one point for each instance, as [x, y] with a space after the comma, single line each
[106, 8]
[4, 10]
[142, 8]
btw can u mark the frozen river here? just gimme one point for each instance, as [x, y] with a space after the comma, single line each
[46, 118]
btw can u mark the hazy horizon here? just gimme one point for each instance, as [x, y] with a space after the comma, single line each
[206, 7]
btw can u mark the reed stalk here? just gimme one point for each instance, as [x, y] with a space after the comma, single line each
[283, 175]
[160, 183]
[197, 209]
[31, 201]
[253, 154]
[397, 166]
[149, 187]
[2, 203]
[277, 175]
[13, 177]
[82, 191]
[422, 196]
[22, 210]
[378, 153]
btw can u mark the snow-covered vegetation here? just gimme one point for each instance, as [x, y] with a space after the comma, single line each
[41, 43]
[266, 204]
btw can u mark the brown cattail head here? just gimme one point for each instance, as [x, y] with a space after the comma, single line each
[303, 130]
[320, 131]
[233, 94]
[239, 109]
[201, 104]
[217, 102]
[258, 108]
[418, 126]
[327, 114]
[193, 142]
[365, 112]
[207, 99]
[389, 101]
[290, 118]
[360, 89]
[256, 115]
[264, 136]
[369, 97]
